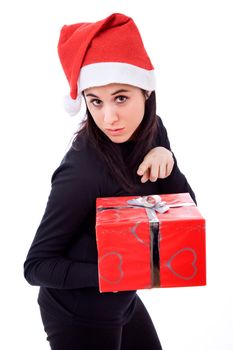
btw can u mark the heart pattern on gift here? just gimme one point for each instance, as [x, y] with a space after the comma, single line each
[184, 259]
[115, 274]
[136, 235]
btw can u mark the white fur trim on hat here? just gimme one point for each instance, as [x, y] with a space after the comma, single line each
[103, 73]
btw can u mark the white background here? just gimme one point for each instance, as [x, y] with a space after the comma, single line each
[190, 45]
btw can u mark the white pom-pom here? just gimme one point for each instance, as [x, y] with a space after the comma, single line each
[72, 107]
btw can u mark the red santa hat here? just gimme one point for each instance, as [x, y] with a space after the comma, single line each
[103, 52]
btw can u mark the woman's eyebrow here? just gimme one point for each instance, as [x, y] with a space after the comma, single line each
[119, 91]
[92, 95]
[114, 93]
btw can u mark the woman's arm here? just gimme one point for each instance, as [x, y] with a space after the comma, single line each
[176, 182]
[71, 200]
[158, 162]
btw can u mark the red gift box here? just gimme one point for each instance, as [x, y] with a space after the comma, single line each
[146, 242]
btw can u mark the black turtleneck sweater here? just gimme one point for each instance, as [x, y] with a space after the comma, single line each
[62, 259]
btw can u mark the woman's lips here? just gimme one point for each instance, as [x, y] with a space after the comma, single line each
[115, 131]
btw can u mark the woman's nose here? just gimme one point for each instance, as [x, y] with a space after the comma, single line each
[110, 115]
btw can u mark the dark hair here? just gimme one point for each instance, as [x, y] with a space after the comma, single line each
[123, 169]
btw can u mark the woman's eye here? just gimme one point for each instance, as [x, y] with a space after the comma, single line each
[121, 99]
[96, 102]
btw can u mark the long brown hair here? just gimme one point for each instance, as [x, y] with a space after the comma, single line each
[123, 169]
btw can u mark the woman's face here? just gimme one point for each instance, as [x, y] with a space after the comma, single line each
[117, 109]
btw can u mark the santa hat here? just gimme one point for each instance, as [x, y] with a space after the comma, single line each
[103, 52]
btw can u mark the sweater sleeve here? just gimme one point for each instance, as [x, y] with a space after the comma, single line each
[176, 182]
[71, 200]
[162, 137]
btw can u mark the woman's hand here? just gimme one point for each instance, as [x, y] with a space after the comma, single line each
[157, 164]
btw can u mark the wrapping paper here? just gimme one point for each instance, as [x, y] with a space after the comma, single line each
[147, 242]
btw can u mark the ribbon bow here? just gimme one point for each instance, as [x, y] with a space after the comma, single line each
[155, 202]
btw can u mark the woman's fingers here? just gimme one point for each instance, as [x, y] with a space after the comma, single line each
[145, 176]
[157, 164]
[170, 165]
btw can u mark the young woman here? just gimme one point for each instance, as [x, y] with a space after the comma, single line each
[120, 140]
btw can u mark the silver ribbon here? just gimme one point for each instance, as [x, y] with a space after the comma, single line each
[155, 202]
